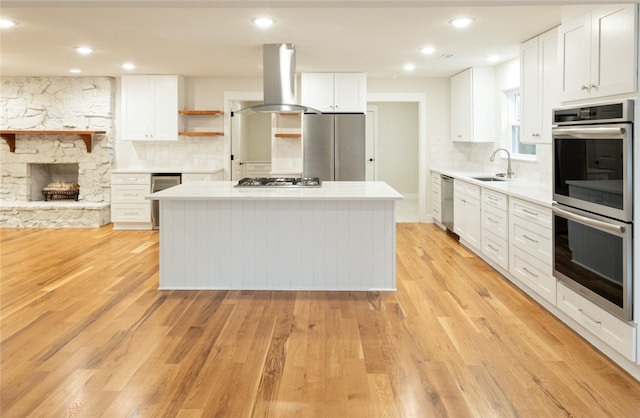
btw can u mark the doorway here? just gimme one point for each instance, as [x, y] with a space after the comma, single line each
[396, 129]
[240, 147]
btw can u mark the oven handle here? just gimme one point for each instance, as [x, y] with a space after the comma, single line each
[601, 132]
[594, 223]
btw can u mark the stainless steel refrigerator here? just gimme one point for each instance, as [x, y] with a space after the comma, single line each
[334, 146]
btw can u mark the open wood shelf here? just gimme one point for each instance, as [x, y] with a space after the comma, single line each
[201, 112]
[288, 135]
[201, 133]
[10, 136]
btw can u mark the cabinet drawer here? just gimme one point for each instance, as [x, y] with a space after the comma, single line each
[131, 212]
[133, 178]
[531, 238]
[495, 199]
[471, 190]
[535, 274]
[436, 211]
[530, 211]
[495, 221]
[436, 194]
[495, 248]
[195, 177]
[129, 193]
[616, 333]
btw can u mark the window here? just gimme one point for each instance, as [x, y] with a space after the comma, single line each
[517, 147]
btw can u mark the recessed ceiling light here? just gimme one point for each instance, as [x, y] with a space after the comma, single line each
[427, 50]
[75, 70]
[493, 58]
[7, 23]
[409, 67]
[263, 22]
[461, 22]
[84, 50]
[128, 66]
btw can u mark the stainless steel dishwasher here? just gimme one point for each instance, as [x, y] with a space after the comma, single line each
[446, 190]
[161, 182]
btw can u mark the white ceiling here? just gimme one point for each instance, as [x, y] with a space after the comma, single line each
[217, 38]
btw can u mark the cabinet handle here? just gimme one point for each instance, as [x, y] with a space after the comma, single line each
[584, 87]
[530, 239]
[130, 213]
[492, 247]
[593, 86]
[492, 220]
[531, 213]
[589, 318]
[530, 272]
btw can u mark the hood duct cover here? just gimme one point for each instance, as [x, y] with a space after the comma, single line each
[279, 81]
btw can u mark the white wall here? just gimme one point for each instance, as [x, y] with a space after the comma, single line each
[397, 142]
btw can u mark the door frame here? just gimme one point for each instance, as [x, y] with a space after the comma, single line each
[372, 141]
[423, 166]
[229, 98]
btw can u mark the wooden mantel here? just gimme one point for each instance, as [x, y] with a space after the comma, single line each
[10, 136]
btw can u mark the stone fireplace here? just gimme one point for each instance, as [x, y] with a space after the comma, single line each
[60, 103]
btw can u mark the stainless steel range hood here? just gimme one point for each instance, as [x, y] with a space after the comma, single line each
[279, 81]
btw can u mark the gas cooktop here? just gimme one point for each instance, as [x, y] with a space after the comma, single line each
[279, 182]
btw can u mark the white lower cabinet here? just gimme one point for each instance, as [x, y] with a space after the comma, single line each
[129, 209]
[495, 227]
[496, 249]
[532, 238]
[466, 213]
[436, 197]
[531, 252]
[534, 273]
[618, 334]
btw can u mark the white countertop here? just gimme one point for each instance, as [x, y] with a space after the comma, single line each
[330, 190]
[166, 170]
[538, 193]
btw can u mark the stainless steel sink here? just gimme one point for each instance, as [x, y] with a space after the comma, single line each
[487, 178]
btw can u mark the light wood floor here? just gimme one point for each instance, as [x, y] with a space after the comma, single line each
[85, 333]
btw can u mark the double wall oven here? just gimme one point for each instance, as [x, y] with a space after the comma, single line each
[593, 203]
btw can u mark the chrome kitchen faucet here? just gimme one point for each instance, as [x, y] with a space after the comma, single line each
[510, 172]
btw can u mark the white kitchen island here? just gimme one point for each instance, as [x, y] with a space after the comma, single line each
[340, 236]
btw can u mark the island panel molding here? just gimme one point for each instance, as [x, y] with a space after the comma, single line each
[10, 136]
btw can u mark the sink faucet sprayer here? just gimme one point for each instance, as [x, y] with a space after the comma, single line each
[510, 172]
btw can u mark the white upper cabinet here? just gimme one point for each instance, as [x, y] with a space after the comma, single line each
[150, 105]
[539, 81]
[335, 92]
[473, 117]
[598, 53]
